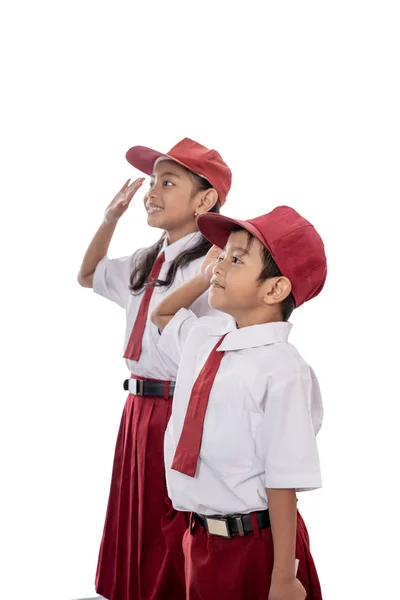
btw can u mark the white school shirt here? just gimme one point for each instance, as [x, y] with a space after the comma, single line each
[111, 280]
[263, 414]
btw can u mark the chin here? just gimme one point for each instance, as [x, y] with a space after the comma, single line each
[155, 220]
[216, 299]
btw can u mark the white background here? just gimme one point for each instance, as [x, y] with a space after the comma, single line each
[302, 100]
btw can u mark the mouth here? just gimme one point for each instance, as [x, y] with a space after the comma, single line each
[153, 208]
[214, 284]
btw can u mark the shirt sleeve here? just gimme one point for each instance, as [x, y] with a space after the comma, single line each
[112, 277]
[292, 418]
[174, 335]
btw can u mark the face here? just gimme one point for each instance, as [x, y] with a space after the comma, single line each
[235, 288]
[170, 201]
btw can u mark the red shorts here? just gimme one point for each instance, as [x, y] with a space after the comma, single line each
[240, 568]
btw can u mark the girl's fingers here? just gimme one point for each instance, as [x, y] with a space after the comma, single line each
[137, 183]
[134, 188]
[126, 184]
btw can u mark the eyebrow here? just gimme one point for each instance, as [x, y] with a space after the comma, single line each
[166, 173]
[238, 249]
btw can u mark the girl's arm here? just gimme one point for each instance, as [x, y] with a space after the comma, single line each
[187, 293]
[99, 245]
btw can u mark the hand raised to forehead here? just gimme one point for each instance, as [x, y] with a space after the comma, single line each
[121, 201]
[210, 261]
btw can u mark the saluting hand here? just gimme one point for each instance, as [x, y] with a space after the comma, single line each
[120, 203]
[287, 590]
[209, 262]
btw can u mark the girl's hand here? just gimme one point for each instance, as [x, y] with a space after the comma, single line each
[290, 589]
[209, 262]
[120, 203]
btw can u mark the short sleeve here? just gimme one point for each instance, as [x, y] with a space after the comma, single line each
[292, 418]
[111, 279]
[173, 337]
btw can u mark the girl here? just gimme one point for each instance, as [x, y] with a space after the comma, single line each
[141, 551]
[241, 439]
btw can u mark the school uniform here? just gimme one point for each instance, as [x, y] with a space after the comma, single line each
[246, 413]
[141, 549]
[263, 412]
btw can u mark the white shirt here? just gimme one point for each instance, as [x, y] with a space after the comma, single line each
[263, 414]
[111, 280]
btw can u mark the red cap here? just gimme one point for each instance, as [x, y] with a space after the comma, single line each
[195, 157]
[294, 244]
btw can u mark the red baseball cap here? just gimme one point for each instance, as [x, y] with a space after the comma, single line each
[293, 242]
[195, 157]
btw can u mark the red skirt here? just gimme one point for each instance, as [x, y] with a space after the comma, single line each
[141, 556]
[240, 568]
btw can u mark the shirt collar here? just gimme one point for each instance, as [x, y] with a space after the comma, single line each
[171, 251]
[254, 336]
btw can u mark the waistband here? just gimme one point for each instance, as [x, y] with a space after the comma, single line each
[149, 387]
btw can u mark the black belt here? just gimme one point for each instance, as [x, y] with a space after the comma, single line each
[232, 524]
[148, 388]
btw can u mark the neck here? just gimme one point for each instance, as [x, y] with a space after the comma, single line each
[248, 319]
[173, 235]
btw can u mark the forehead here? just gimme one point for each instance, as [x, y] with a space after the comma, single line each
[240, 240]
[237, 239]
[169, 166]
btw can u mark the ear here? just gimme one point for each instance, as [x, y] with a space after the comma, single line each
[277, 290]
[206, 200]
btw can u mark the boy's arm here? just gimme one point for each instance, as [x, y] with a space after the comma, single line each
[282, 507]
[291, 465]
[188, 293]
[183, 297]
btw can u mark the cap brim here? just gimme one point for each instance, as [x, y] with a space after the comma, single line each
[143, 159]
[217, 228]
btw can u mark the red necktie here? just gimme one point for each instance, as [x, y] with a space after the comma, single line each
[134, 347]
[188, 448]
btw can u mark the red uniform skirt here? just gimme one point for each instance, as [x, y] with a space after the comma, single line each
[141, 556]
[240, 568]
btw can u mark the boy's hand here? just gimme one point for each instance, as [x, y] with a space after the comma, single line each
[209, 262]
[287, 590]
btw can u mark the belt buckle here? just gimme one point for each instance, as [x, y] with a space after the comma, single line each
[139, 387]
[218, 527]
[239, 524]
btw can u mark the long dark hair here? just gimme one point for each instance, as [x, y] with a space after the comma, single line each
[141, 272]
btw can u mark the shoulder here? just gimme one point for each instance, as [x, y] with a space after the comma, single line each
[286, 363]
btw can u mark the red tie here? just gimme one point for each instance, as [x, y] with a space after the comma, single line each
[134, 347]
[188, 448]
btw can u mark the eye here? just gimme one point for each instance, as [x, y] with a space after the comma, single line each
[167, 183]
[220, 258]
[236, 260]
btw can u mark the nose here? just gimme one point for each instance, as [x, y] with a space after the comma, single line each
[220, 268]
[154, 190]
